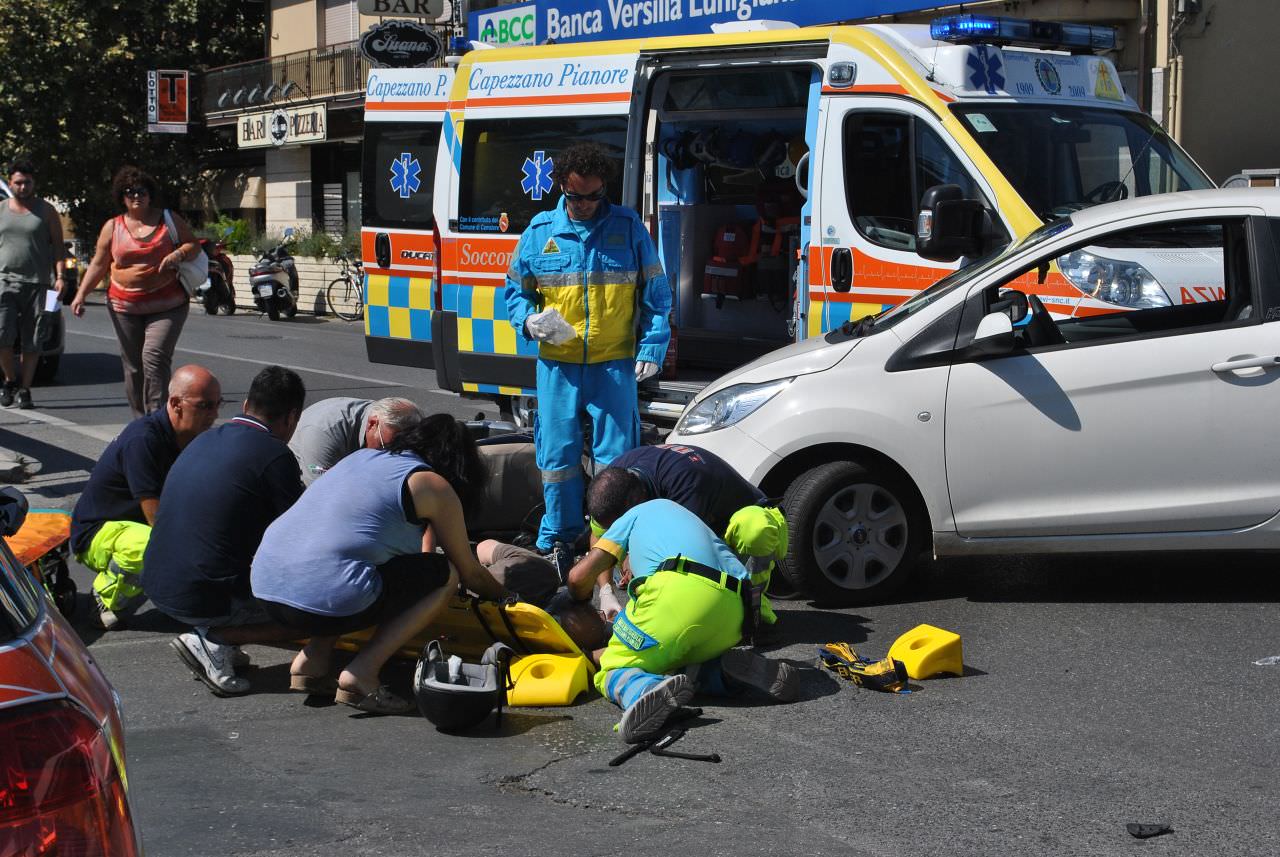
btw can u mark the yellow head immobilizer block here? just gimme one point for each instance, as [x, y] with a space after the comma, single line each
[928, 651]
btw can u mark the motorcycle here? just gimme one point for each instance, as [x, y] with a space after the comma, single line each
[273, 280]
[217, 295]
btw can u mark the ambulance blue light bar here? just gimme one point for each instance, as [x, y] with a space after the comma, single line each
[988, 29]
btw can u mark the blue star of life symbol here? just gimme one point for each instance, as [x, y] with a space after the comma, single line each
[987, 68]
[405, 171]
[537, 175]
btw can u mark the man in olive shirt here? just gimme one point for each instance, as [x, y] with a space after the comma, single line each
[29, 232]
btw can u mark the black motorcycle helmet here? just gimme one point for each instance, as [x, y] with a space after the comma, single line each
[458, 706]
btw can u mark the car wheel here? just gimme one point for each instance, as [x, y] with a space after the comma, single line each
[855, 532]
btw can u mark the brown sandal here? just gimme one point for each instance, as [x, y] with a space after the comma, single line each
[317, 685]
[381, 701]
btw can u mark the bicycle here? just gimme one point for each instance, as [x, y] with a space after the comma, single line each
[346, 293]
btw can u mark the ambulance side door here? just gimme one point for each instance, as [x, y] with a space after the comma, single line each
[881, 153]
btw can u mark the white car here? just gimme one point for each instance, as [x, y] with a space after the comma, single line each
[970, 420]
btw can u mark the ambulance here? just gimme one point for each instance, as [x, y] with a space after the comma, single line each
[781, 171]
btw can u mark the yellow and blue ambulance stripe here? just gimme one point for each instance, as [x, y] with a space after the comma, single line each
[828, 315]
[397, 307]
[483, 328]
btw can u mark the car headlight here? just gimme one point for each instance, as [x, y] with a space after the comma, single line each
[728, 406]
[1115, 281]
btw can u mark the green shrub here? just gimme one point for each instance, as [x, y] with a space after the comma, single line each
[241, 238]
[238, 235]
[315, 243]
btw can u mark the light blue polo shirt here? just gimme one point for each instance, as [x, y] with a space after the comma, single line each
[659, 530]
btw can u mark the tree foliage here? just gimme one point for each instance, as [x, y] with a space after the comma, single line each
[73, 90]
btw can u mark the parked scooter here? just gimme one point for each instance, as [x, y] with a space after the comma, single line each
[274, 281]
[217, 295]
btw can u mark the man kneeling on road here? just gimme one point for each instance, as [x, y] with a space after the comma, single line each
[686, 609]
[222, 493]
[112, 520]
[706, 485]
[332, 429]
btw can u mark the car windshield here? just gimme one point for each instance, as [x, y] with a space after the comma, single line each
[960, 278]
[1065, 158]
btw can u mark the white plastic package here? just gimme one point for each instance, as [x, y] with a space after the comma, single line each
[549, 326]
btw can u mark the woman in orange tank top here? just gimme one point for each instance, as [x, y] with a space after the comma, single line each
[147, 304]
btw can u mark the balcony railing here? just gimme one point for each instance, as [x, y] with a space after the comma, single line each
[302, 76]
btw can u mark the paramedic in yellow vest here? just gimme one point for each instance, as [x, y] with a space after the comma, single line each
[586, 284]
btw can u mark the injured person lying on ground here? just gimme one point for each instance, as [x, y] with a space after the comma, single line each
[684, 618]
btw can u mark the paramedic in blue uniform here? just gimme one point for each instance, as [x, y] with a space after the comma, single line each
[586, 283]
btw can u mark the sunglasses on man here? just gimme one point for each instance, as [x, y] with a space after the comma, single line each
[136, 191]
[206, 404]
[595, 196]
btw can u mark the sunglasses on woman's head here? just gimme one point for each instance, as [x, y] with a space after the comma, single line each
[585, 197]
[136, 191]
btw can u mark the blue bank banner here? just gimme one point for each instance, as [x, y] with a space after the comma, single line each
[596, 20]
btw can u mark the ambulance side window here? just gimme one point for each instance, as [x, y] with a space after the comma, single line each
[506, 167]
[399, 174]
[891, 159]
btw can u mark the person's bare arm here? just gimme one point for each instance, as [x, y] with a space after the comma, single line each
[97, 268]
[150, 507]
[589, 569]
[435, 501]
[54, 223]
[187, 244]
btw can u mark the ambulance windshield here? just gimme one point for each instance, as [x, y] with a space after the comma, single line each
[1065, 158]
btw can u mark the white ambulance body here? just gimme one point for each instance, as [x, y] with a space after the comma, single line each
[780, 172]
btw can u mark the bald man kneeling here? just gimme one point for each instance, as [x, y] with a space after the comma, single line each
[111, 524]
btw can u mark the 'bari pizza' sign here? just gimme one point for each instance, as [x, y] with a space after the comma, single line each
[283, 127]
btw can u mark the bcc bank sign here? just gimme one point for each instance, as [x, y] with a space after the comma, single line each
[517, 25]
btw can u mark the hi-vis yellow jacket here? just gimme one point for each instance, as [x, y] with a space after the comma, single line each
[606, 286]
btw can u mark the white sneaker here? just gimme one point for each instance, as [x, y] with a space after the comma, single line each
[210, 662]
[648, 714]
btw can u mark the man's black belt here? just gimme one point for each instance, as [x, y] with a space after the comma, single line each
[685, 565]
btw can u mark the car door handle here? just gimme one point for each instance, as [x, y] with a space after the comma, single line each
[1246, 363]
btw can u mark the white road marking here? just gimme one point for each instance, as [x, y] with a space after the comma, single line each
[220, 356]
[105, 433]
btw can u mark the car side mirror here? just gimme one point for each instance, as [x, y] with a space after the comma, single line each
[994, 336]
[949, 226]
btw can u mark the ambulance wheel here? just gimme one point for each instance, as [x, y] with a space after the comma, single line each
[856, 532]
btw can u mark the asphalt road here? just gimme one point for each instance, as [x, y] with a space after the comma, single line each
[1097, 692]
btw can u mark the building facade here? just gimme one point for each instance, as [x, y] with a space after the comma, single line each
[308, 88]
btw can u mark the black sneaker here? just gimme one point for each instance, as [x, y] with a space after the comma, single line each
[24, 399]
[6, 394]
[561, 556]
